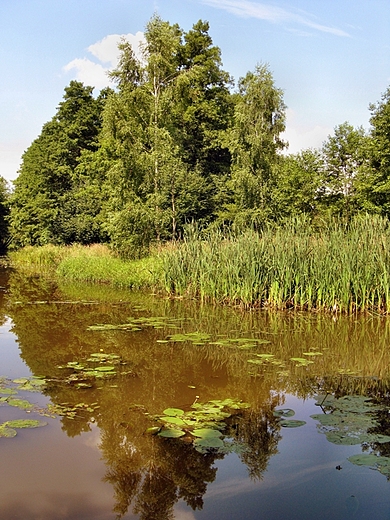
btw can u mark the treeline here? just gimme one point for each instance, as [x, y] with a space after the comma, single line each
[173, 143]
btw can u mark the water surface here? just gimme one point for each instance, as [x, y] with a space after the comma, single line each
[98, 462]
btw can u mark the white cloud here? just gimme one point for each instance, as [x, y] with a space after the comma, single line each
[89, 72]
[301, 136]
[10, 158]
[107, 53]
[270, 13]
[106, 50]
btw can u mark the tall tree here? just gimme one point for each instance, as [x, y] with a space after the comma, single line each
[39, 204]
[298, 184]
[162, 131]
[254, 142]
[344, 156]
[374, 182]
[4, 211]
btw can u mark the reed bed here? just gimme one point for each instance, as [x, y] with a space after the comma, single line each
[340, 268]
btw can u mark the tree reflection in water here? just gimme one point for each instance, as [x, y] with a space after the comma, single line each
[153, 473]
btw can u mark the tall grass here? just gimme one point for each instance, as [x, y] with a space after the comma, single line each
[96, 264]
[342, 268]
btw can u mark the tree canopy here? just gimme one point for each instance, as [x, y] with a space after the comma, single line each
[175, 142]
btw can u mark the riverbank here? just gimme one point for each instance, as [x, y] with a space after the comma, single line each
[339, 268]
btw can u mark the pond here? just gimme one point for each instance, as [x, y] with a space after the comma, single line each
[118, 404]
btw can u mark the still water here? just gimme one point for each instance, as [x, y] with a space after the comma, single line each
[98, 367]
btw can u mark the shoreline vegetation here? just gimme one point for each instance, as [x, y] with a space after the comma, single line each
[338, 268]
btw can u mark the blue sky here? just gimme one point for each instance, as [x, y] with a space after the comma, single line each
[331, 58]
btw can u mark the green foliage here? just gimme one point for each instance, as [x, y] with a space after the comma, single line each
[339, 269]
[47, 193]
[89, 264]
[174, 144]
[254, 142]
[4, 212]
[374, 185]
[345, 161]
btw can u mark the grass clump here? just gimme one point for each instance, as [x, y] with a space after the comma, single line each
[96, 264]
[341, 268]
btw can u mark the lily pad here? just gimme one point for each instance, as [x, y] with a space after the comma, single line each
[284, 412]
[8, 391]
[366, 459]
[206, 433]
[291, 423]
[171, 433]
[7, 432]
[25, 423]
[173, 420]
[153, 430]
[23, 404]
[301, 361]
[173, 411]
[209, 442]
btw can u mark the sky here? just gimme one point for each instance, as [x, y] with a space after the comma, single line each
[331, 58]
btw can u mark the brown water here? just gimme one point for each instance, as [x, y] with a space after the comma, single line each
[94, 460]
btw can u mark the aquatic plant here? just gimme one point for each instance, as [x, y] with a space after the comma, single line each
[203, 425]
[335, 269]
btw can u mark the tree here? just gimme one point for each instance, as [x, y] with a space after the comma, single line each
[344, 156]
[254, 142]
[374, 182]
[162, 131]
[4, 211]
[43, 196]
[298, 184]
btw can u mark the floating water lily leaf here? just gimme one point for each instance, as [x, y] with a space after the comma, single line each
[209, 442]
[5, 431]
[174, 420]
[241, 343]
[301, 361]
[343, 439]
[171, 433]
[105, 369]
[198, 338]
[326, 419]
[291, 423]
[153, 430]
[284, 412]
[8, 391]
[265, 356]
[25, 423]
[312, 353]
[23, 404]
[367, 459]
[206, 433]
[230, 403]
[173, 411]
